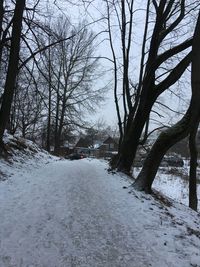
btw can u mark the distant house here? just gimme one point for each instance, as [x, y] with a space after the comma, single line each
[108, 148]
[99, 149]
[82, 146]
[111, 144]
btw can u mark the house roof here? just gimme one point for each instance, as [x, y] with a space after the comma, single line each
[109, 140]
[82, 143]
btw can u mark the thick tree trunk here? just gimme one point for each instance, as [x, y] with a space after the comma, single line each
[131, 140]
[193, 200]
[12, 66]
[1, 15]
[1, 31]
[166, 140]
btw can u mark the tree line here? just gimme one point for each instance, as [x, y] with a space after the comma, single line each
[48, 69]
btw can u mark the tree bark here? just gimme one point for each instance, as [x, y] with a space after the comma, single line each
[48, 142]
[131, 140]
[12, 66]
[193, 200]
[1, 17]
[165, 140]
[56, 123]
[1, 30]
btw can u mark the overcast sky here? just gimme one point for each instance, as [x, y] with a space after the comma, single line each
[107, 110]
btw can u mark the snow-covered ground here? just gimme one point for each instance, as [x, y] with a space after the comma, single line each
[60, 213]
[173, 182]
[175, 187]
[23, 156]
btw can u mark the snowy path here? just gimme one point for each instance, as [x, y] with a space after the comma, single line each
[71, 214]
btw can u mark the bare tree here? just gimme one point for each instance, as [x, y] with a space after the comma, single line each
[122, 12]
[18, 30]
[156, 75]
[69, 71]
[188, 125]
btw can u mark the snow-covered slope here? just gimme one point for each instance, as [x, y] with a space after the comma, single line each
[174, 183]
[76, 214]
[21, 156]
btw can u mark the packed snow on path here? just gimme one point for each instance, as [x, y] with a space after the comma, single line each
[73, 213]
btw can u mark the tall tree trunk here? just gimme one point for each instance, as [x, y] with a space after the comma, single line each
[61, 119]
[165, 140]
[23, 127]
[56, 145]
[49, 122]
[48, 144]
[12, 67]
[56, 140]
[193, 200]
[59, 131]
[131, 140]
[1, 18]
[1, 30]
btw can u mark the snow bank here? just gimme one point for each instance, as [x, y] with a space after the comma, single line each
[22, 156]
[173, 182]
